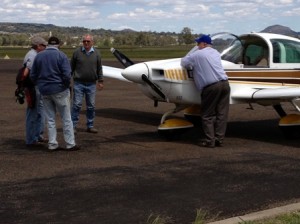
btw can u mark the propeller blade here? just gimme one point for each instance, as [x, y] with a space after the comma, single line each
[153, 86]
[121, 57]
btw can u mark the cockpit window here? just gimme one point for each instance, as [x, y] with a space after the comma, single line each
[253, 50]
[256, 54]
[285, 51]
[233, 53]
[229, 46]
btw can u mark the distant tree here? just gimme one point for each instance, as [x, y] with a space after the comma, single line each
[106, 42]
[17, 34]
[129, 39]
[164, 40]
[118, 40]
[142, 39]
[5, 41]
[186, 36]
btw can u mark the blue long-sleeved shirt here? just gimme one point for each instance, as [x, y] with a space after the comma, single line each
[51, 71]
[207, 66]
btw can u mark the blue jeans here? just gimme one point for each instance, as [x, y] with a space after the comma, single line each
[35, 120]
[61, 103]
[79, 91]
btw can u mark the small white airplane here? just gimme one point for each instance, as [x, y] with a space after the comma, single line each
[263, 68]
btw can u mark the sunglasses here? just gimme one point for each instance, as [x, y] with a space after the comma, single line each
[86, 41]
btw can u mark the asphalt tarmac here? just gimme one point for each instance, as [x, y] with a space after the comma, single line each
[128, 171]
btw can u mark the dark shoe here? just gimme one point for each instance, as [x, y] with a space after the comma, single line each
[92, 130]
[207, 144]
[74, 148]
[219, 143]
[56, 149]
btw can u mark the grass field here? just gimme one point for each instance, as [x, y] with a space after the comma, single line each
[131, 52]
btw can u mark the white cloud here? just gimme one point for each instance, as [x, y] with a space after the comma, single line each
[156, 15]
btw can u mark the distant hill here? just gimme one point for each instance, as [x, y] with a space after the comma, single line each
[278, 29]
[46, 28]
[42, 28]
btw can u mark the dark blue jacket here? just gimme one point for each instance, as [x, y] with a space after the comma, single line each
[51, 71]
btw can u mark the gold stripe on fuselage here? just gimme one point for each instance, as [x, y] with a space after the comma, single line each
[288, 76]
[276, 76]
[263, 83]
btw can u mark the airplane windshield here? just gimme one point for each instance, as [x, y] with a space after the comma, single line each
[227, 44]
[224, 41]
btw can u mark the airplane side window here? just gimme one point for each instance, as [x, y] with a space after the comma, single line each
[276, 52]
[292, 56]
[286, 51]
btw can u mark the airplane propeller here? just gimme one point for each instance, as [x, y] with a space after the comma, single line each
[139, 73]
[128, 74]
[122, 58]
[153, 86]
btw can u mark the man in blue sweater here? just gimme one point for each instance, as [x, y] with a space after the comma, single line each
[51, 72]
[87, 73]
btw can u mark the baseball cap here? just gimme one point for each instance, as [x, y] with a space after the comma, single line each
[36, 40]
[53, 41]
[204, 38]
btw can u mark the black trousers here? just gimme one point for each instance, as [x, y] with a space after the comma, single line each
[214, 110]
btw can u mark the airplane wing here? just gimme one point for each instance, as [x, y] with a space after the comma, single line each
[277, 93]
[112, 72]
[260, 94]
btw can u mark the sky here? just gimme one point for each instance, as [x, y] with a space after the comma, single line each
[206, 16]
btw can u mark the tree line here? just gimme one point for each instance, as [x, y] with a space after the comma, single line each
[104, 39]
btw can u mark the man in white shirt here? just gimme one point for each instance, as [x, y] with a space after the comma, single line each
[212, 83]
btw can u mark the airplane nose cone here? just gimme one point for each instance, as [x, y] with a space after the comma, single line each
[134, 72]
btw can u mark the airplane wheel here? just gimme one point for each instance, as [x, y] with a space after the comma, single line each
[172, 128]
[192, 114]
[290, 126]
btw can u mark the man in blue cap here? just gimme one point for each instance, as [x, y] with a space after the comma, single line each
[212, 83]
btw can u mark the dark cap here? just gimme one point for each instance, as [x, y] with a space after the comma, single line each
[53, 41]
[204, 38]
